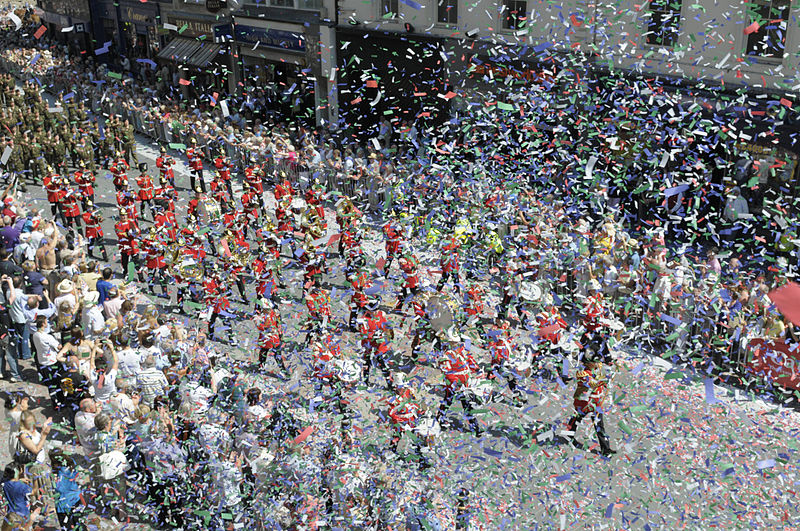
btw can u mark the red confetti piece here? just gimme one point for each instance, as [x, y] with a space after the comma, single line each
[40, 32]
[303, 435]
[752, 28]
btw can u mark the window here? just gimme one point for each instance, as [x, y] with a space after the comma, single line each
[665, 21]
[514, 14]
[771, 17]
[281, 3]
[447, 12]
[389, 8]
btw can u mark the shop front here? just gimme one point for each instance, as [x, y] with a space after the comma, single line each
[191, 50]
[69, 22]
[275, 64]
[131, 27]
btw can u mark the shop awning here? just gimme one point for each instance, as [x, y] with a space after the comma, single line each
[190, 51]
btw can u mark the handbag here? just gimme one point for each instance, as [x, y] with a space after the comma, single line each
[113, 464]
[22, 455]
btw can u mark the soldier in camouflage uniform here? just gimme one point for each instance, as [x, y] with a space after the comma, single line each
[127, 135]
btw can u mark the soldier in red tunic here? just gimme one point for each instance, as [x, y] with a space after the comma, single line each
[360, 281]
[217, 299]
[85, 180]
[94, 231]
[409, 264]
[459, 369]
[195, 156]
[450, 265]
[119, 169]
[52, 184]
[404, 413]
[128, 242]
[393, 233]
[127, 200]
[146, 192]
[499, 346]
[153, 249]
[223, 168]
[71, 207]
[589, 397]
[376, 333]
[164, 164]
[270, 335]
[283, 189]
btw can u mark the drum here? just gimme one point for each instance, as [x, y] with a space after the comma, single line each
[428, 426]
[568, 345]
[482, 389]
[521, 360]
[212, 210]
[530, 291]
[348, 371]
[441, 310]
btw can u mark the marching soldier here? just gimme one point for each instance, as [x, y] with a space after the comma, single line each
[127, 200]
[94, 231]
[70, 206]
[266, 268]
[409, 265]
[164, 164]
[52, 185]
[499, 347]
[128, 242]
[270, 335]
[128, 141]
[393, 233]
[449, 262]
[216, 297]
[459, 369]
[146, 192]
[119, 169]
[155, 262]
[85, 180]
[223, 168]
[376, 334]
[195, 156]
[590, 393]
[405, 412]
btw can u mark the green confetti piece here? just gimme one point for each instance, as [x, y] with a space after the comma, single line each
[183, 28]
[114, 75]
[131, 272]
[179, 147]
[195, 305]
[624, 427]
[673, 376]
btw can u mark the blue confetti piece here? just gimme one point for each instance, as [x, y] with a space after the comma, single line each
[766, 463]
[609, 510]
[565, 477]
[412, 4]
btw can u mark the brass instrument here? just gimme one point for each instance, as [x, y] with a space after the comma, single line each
[311, 223]
[190, 270]
[240, 255]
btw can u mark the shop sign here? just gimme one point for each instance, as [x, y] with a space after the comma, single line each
[272, 38]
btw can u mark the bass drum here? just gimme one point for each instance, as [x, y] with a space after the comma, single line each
[441, 310]
[482, 390]
[521, 361]
[348, 371]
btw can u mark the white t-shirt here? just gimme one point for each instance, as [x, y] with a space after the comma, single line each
[47, 348]
[109, 389]
[122, 408]
[129, 362]
[84, 427]
[94, 321]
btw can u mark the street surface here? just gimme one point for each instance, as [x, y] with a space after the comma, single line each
[690, 455]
